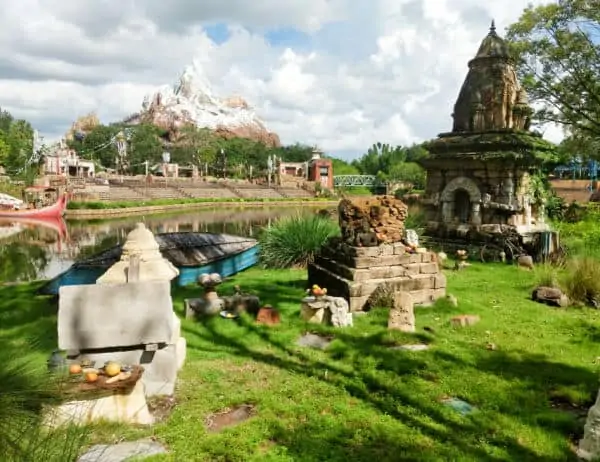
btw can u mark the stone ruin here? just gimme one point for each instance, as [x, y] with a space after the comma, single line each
[479, 187]
[371, 258]
[368, 222]
[127, 316]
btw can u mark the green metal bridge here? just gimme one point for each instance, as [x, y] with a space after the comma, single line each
[355, 181]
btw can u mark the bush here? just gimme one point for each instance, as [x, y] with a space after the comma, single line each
[294, 241]
[582, 281]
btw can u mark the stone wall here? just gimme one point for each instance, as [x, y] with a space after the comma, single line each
[359, 274]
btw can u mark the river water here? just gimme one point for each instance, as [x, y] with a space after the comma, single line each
[30, 251]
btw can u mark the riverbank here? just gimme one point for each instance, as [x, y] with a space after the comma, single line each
[90, 210]
[529, 382]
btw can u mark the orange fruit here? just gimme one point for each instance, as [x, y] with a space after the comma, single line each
[91, 377]
[75, 369]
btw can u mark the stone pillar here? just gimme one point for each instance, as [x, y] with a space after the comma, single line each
[476, 213]
[527, 210]
[447, 210]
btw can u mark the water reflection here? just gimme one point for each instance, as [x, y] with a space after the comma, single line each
[35, 249]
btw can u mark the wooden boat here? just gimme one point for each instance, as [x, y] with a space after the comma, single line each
[56, 224]
[192, 253]
[55, 210]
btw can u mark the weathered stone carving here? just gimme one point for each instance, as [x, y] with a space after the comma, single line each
[491, 97]
[402, 315]
[370, 221]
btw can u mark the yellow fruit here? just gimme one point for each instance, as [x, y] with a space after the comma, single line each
[112, 368]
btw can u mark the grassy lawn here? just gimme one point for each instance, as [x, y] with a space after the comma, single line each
[359, 399]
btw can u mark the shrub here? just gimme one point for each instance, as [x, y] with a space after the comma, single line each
[582, 281]
[294, 241]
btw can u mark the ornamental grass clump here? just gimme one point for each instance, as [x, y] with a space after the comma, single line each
[582, 281]
[294, 241]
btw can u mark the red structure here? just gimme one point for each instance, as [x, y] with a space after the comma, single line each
[321, 171]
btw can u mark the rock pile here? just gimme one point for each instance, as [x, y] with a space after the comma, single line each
[368, 222]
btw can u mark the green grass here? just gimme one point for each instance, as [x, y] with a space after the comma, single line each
[359, 400]
[100, 205]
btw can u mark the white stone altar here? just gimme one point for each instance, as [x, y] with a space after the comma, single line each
[326, 310]
[127, 316]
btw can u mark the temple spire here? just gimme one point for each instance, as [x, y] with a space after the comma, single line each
[493, 27]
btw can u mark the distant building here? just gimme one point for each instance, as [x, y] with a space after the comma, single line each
[316, 169]
[63, 161]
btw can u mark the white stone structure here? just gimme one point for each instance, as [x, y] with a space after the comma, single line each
[128, 315]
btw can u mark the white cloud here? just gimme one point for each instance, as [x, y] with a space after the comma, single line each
[383, 70]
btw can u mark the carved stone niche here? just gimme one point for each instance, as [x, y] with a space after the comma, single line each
[461, 201]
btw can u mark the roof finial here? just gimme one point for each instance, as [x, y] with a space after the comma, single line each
[493, 27]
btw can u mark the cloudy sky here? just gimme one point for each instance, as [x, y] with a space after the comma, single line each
[341, 74]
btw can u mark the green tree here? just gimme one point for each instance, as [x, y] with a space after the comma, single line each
[20, 146]
[408, 172]
[557, 52]
[145, 144]
[98, 145]
[341, 167]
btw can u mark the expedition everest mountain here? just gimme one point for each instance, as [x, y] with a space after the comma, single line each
[192, 101]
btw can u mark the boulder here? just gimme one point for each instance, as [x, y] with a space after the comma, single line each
[550, 296]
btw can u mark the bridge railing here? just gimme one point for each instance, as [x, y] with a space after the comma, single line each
[350, 181]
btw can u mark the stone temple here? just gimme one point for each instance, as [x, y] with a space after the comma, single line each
[479, 175]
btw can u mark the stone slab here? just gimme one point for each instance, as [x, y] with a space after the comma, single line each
[122, 452]
[128, 408]
[99, 316]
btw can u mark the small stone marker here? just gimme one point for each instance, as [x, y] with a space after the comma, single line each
[414, 347]
[402, 315]
[525, 261]
[465, 320]
[313, 341]
[122, 452]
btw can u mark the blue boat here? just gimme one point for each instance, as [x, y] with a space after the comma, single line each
[192, 253]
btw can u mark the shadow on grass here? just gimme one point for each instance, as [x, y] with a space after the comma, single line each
[377, 388]
[22, 314]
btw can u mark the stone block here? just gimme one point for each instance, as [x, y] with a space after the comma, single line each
[120, 315]
[130, 408]
[439, 281]
[429, 268]
[413, 269]
[402, 316]
[427, 257]
[415, 258]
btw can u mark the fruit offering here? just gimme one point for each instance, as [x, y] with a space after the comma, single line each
[112, 368]
[318, 291]
[75, 369]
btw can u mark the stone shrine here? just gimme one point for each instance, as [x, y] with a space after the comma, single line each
[369, 259]
[127, 316]
[479, 174]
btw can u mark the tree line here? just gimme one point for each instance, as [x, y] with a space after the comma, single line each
[201, 147]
